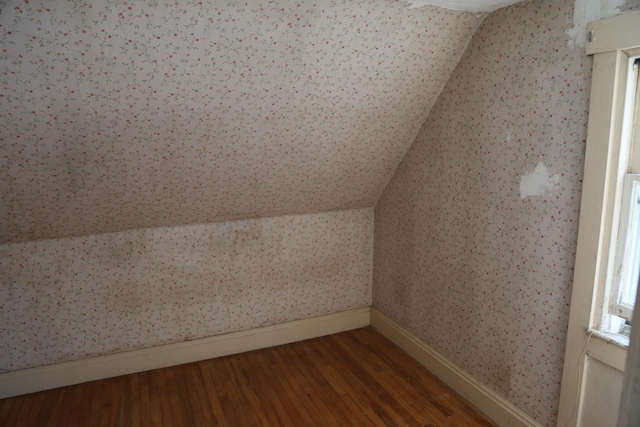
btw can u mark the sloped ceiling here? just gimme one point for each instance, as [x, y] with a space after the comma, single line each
[122, 115]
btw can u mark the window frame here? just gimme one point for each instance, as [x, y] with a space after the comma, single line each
[627, 257]
[625, 213]
[611, 41]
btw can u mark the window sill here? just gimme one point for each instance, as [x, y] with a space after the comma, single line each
[608, 348]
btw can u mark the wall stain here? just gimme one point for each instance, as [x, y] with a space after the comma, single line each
[92, 295]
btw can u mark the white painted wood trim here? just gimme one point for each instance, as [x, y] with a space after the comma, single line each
[607, 349]
[629, 413]
[599, 206]
[596, 216]
[618, 32]
[495, 406]
[79, 371]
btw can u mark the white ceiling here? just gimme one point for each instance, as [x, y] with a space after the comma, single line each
[119, 116]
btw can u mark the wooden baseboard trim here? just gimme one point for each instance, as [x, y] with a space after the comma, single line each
[496, 407]
[79, 371]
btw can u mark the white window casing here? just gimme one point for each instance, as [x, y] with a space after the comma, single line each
[612, 42]
[619, 291]
[622, 297]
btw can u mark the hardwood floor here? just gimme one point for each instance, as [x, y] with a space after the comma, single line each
[355, 378]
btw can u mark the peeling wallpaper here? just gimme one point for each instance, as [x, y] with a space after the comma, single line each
[475, 235]
[125, 115]
[65, 299]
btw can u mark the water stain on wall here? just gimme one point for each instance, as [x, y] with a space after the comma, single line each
[85, 296]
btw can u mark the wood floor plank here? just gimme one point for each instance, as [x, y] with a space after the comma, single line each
[23, 415]
[250, 387]
[217, 385]
[308, 411]
[72, 400]
[235, 411]
[424, 383]
[291, 391]
[230, 402]
[455, 407]
[355, 378]
[380, 371]
[145, 397]
[274, 391]
[311, 387]
[329, 399]
[42, 417]
[355, 387]
[180, 407]
[250, 415]
[13, 415]
[417, 403]
[50, 415]
[410, 370]
[363, 404]
[344, 408]
[97, 405]
[132, 405]
[36, 409]
[213, 397]
[358, 413]
[110, 398]
[165, 399]
[13, 412]
[67, 412]
[155, 400]
[5, 409]
[186, 388]
[116, 398]
[194, 381]
[378, 398]
[473, 418]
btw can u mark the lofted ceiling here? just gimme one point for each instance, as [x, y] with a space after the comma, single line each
[122, 115]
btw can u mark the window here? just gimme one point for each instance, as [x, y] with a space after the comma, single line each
[622, 284]
[595, 303]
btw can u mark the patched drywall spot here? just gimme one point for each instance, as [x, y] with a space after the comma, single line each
[538, 182]
[586, 11]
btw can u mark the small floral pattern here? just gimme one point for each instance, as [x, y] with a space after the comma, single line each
[119, 115]
[65, 299]
[462, 260]
[123, 122]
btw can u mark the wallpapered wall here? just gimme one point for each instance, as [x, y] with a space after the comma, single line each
[65, 299]
[475, 235]
[123, 115]
[117, 117]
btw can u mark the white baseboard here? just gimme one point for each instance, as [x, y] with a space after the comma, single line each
[496, 407]
[79, 371]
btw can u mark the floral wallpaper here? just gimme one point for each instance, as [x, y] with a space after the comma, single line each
[475, 235]
[135, 135]
[121, 115]
[65, 299]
